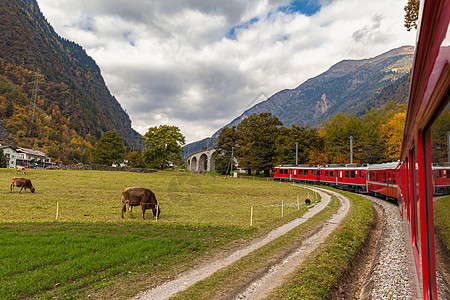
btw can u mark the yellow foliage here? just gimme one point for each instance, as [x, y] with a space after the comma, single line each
[392, 135]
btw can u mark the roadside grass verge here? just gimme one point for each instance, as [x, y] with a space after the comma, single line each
[321, 273]
[90, 250]
[225, 282]
[442, 220]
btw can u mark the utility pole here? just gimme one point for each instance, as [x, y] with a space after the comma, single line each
[296, 153]
[351, 149]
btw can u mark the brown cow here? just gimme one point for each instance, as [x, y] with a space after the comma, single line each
[23, 183]
[140, 196]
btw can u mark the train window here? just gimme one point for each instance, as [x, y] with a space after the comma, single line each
[384, 176]
[346, 174]
[305, 172]
[389, 177]
[448, 175]
[332, 173]
[300, 172]
[352, 174]
[326, 173]
[393, 178]
[286, 171]
[361, 174]
[313, 172]
[295, 172]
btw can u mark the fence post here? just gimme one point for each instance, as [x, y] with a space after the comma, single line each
[298, 204]
[57, 209]
[282, 206]
[251, 216]
[157, 206]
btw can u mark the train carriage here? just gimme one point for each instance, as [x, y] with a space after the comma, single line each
[425, 134]
[441, 179]
[382, 180]
[297, 173]
[352, 178]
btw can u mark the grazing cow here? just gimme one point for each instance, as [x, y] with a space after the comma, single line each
[20, 169]
[140, 196]
[23, 183]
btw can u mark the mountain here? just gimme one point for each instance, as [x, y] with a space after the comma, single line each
[350, 86]
[38, 66]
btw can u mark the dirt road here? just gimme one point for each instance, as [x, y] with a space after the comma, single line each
[198, 273]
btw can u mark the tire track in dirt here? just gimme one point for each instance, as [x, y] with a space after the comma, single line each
[261, 288]
[198, 273]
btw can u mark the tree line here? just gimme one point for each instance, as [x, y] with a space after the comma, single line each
[260, 142]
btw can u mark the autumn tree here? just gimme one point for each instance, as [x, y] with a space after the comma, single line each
[411, 14]
[305, 138]
[108, 150]
[256, 140]
[336, 132]
[225, 146]
[391, 134]
[164, 145]
[135, 159]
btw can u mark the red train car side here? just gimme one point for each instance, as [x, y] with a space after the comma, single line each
[382, 180]
[427, 123]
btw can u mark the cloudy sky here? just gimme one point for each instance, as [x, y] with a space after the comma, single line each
[198, 64]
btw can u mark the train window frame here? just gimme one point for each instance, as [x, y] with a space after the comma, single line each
[300, 172]
[346, 174]
[305, 172]
[286, 171]
[326, 173]
[332, 173]
[353, 174]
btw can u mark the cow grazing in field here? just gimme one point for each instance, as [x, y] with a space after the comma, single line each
[140, 196]
[20, 169]
[23, 183]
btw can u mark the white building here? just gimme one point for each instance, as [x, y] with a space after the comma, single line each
[29, 158]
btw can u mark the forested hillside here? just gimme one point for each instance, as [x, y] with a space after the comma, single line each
[73, 105]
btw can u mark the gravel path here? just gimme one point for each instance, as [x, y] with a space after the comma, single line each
[387, 275]
[190, 277]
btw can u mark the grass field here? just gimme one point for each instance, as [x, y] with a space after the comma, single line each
[90, 250]
[442, 220]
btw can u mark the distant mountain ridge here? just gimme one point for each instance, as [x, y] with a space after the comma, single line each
[71, 81]
[350, 86]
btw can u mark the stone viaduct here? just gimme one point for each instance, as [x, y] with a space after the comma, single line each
[201, 161]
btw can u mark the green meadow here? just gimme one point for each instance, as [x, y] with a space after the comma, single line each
[68, 240]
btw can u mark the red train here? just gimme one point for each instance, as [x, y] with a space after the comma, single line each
[378, 180]
[423, 172]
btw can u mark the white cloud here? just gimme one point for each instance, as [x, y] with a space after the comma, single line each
[170, 61]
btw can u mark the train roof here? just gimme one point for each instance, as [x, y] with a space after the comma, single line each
[385, 166]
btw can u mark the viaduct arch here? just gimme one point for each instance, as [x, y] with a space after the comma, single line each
[201, 161]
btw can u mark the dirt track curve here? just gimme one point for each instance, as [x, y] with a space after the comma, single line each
[275, 275]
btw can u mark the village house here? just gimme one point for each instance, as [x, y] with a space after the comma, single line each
[29, 158]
